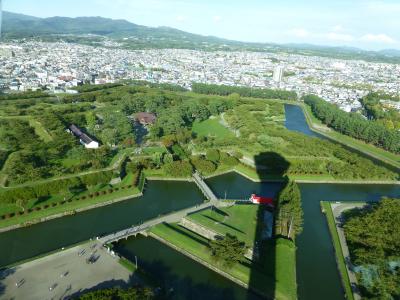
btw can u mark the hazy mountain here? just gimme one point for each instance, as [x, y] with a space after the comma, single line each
[135, 36]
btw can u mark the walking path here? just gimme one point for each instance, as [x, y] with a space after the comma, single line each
[204, 187]
[337, 210]
[170, 218]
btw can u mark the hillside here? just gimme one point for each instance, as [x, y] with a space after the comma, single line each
[133, 36]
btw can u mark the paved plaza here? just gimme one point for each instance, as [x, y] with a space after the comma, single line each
[62, 274]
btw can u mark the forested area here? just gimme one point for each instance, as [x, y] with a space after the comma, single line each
[34, 144]
[375, 109]
[225, 90]
[373, 238]
[119, 294]
[262, 131]
[33, 159]
[289, 213]
[354, 125]
[25, 95]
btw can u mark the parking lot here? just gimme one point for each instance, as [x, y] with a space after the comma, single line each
[62, 274]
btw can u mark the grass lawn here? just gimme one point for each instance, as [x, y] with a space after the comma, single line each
[70, 162]
[40, 130]
[212, 127]
[338, 250]
[283, 287]
[240, 220]
[152, 150]
[254, 175]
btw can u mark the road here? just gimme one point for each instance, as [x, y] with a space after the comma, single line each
[66, 270]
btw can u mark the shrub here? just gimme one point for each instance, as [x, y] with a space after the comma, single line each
[228, 160]
[179, 169]
[203, 165]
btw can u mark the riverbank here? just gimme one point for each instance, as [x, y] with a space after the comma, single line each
[75, 206]
[367, 149]
[277, 281]
[70, 209]
[341, 264]
[254, 176]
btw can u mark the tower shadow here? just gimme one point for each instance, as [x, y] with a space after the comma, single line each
[263, 280]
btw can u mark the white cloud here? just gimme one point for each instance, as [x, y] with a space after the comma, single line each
[340, 37]
[181, 18]
[337, 28]
[377, 38]
[299, 32]
[217, 19]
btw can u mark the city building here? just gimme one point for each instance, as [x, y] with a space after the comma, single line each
[278, 74]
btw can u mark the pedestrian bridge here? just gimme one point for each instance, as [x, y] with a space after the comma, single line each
[170, 218]
[204, 188]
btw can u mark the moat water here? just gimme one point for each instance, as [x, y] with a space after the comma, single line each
[317, 275]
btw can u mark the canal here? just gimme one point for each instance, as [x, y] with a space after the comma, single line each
[296, 121]
[160, 197]
[317, 274]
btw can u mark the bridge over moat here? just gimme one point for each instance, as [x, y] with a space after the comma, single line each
[170, 218]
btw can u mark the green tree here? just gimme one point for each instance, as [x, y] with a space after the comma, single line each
[289, 219]
[227, 250]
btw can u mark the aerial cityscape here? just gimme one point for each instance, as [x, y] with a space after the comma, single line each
[212, 152]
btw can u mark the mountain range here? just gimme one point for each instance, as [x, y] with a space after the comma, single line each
[16, 26]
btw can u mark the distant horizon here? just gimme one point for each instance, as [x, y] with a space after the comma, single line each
[340, 24]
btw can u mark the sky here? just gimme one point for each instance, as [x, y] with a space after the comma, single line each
[367, 24]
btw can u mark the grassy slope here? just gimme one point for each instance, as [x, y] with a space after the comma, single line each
[241, 221]
[211, 127]
[338, 250]
[281, 287]
[40, 130]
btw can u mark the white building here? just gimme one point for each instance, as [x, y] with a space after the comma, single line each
[278, 74]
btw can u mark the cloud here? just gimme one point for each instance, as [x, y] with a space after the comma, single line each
[337, 28]
[340, 37]
[181, 18]
[217, 19]
[299, 32]
[377, 38]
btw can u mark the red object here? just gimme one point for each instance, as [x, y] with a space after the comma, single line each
[262, 200]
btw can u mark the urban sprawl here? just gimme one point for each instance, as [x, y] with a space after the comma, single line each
[60, 66]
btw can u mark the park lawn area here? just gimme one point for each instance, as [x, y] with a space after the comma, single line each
[213, 128]
[153, 150]
[40, 130]
[240, 221]
[276, 288]
[68, 207]
[70, 162]
[326, 206]
[255, 175]
[379, 153]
